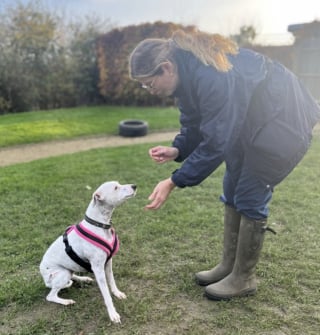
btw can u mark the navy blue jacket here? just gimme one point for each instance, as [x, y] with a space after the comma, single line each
[259, 103]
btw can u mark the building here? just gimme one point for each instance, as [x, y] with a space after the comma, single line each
[303, 57]
[306, 54]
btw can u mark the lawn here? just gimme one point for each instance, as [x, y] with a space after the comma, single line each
[160, 251]
[59, 124]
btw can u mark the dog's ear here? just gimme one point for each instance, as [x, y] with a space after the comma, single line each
[97, 197]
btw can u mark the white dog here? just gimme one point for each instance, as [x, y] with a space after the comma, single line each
[88, 246]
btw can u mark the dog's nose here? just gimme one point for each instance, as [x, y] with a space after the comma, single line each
[134, 187]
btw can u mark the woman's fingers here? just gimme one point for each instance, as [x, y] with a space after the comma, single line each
[161, 154]
[160, 194]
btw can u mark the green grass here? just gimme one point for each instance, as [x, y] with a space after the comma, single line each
[33, 127]
[160, 251]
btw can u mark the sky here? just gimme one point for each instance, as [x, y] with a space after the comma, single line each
[270, 18]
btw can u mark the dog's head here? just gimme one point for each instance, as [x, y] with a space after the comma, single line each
[112, 194]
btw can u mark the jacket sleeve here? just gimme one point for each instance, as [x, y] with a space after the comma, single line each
[204, 150]
[190, 136]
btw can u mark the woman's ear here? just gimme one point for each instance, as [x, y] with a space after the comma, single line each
[168, 67]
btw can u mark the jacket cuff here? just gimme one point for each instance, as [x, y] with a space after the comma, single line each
[175, 179]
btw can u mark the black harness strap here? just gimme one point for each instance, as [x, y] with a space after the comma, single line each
[73, 255]
[100, 241]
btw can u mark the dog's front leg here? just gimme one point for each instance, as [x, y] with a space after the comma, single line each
[112, 283]
[102, 283]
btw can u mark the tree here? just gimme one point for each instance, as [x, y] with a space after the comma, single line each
[26, 38]
[246, 35]
[83, 57]
[113, 50]
[45, 61]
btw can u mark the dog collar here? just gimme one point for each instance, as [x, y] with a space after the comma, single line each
[97, 224]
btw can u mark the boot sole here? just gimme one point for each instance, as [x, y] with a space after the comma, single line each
[227, 298]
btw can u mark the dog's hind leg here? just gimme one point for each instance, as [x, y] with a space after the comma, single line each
[82, 279]
[53, 297]
[59, 280]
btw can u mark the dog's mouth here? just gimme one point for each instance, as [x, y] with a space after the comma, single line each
[131, 195]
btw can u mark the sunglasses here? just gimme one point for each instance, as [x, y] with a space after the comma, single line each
[149, 86]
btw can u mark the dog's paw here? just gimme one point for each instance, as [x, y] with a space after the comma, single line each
[67, 302]
[120, 295]
[82, 279]
[61, 301]
[114, 317]
[87, 279]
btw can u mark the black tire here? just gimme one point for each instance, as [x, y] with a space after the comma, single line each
[133, 128]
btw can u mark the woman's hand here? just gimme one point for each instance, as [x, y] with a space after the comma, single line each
[161, 154]
[160, 194]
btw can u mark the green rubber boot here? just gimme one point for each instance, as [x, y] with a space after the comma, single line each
[242, 280]
[231, 230]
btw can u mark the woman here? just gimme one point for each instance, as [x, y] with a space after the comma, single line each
[237, 107]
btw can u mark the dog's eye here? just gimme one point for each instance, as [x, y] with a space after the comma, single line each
[115, 188]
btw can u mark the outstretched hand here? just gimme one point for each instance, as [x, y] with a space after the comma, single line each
[160, 194]
[161, 154]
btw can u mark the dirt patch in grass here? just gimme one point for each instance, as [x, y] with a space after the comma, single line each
[30, 152]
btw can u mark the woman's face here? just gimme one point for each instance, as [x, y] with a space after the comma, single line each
[164, 84]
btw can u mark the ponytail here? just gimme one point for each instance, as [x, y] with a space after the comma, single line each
[211, 49]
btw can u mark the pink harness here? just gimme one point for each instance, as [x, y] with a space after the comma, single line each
[110, 248]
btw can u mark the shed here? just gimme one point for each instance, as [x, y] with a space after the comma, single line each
[306, 54]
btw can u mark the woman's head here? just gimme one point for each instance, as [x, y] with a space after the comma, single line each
[152, 64]
[147, 57]
[154, 57]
